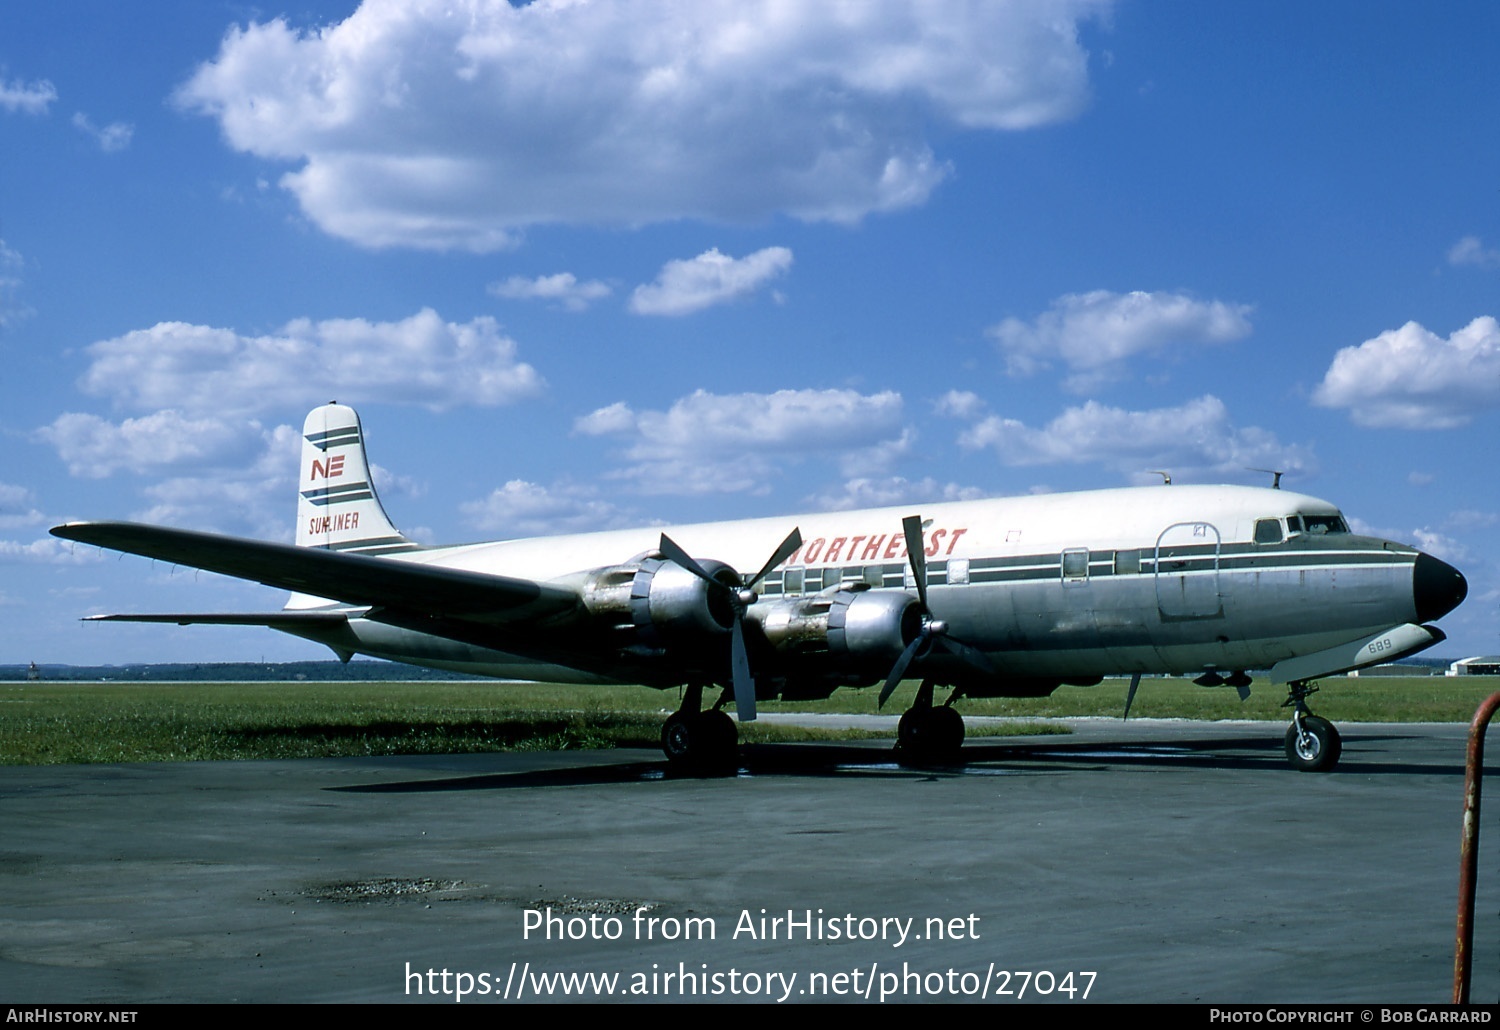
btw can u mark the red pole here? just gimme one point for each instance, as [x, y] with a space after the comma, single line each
[1468, 852]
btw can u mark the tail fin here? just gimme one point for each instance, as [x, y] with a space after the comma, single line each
[336, 504]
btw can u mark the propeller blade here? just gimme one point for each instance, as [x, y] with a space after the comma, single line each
[899, 670]
[916, 552]
[744, 683]
[677, 554]
[970, 654]
[788, 546]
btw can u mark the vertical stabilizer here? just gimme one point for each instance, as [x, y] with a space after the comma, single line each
[337, 507]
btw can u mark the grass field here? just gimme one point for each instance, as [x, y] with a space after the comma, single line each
[43, 723]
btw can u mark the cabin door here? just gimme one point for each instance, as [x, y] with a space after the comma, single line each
[1187, 571]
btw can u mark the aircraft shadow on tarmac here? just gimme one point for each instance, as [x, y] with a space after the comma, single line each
[1038, 756]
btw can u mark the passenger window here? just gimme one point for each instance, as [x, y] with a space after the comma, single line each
[958, 571]
[1075, 563]
[1268, 531]
[791, 581]
[1127, 563]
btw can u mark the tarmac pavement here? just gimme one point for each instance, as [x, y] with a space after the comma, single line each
[1153, 861]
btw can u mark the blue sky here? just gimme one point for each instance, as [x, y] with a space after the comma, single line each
[587, 265]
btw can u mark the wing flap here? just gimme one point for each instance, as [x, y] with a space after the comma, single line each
[350, 578]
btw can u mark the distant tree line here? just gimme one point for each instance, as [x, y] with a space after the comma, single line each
[274, 672]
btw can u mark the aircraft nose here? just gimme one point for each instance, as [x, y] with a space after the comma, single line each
[1437, 588]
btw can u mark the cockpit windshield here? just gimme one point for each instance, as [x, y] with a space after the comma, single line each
[1317, 525]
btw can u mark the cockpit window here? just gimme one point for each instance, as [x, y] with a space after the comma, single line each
[1317, 525]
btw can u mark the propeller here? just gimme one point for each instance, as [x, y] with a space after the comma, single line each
[739, 598]
[932, 631]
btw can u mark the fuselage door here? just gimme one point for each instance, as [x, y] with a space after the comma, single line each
[1187, 571]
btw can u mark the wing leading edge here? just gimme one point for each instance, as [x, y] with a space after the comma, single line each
[350, 578]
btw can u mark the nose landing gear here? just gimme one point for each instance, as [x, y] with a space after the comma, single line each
[1312, 744]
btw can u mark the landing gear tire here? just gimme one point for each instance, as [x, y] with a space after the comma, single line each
[701, 742]
[1316, 748]
[930, 734]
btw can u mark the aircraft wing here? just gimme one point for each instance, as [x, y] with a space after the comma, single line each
[350, 578]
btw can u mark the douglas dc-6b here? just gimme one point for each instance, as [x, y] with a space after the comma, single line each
[1009, 597]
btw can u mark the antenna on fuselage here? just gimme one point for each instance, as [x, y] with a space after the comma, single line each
[1273, 473]
[1166, 477]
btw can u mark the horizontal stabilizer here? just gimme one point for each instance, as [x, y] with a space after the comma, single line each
[275, 620]
[351, 578]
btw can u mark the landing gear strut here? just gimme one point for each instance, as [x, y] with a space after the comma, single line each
[700, 741]
[927, 733]
[1312, 744]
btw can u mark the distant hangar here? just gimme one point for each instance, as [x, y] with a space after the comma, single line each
[1482, 665]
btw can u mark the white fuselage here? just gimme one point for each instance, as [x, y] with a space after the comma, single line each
[1059, 587]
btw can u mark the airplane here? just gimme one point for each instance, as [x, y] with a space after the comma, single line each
[1007, 597]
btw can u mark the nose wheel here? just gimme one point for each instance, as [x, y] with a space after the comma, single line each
[1312, 744]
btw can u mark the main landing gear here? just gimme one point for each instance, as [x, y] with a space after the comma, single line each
[1312, 744]
[699, 742]
[927, 733]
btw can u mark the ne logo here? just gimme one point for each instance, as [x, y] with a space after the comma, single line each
[334, 466]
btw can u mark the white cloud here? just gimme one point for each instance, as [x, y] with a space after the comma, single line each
[1191, 441]
[49, 550]
[1469, 251]
[112, 137]
[563, 288]
[391, 484]
[866, 492]
[1411, 378]
[522, 509]
[1437, 544]
[441, 124]
[1095, 333]
[95, 448]
[249, 493]
[878, 458]
[27, 97]
[683, 287]
[418, 360]
[17, 507]
[959, 404]
[712, 443]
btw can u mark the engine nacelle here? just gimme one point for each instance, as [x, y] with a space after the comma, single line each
[651, 603]
[863, 624]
